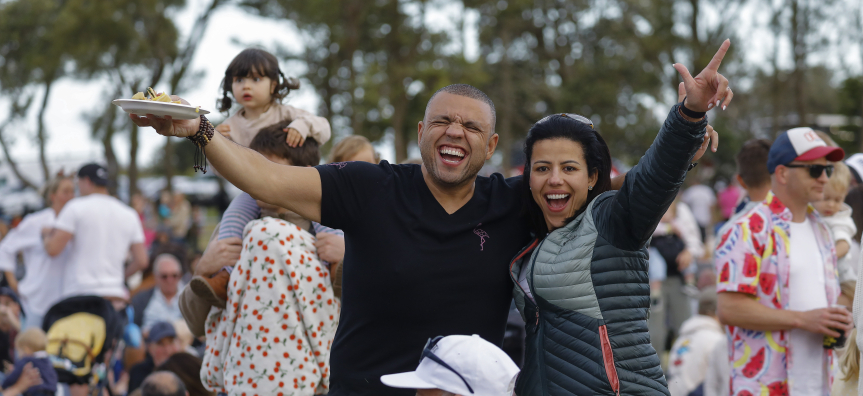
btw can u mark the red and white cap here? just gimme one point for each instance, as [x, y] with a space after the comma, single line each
[800, 144]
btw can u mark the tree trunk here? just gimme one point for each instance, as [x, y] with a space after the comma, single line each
[132, 170]
[400, 108]
[12, 164]
[169, 164]
[507, 111]
[111, 158]
[696, 43]
[798, 45]
[40, 131]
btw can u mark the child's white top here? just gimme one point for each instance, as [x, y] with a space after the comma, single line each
[243, 130]
[842, 228]
[841, 224]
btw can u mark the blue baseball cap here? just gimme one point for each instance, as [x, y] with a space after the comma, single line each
[800, 144]
[160, 330]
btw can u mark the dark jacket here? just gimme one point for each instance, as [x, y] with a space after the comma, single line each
[46, 370]
[139, 303]
[139, 372]
[587, 331]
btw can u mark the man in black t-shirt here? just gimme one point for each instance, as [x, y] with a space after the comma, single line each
[427, 247]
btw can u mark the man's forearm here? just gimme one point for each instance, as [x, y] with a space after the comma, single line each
[741, 310]
[295, 188]
[56, 241]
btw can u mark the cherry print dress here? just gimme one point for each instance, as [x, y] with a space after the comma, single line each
[275, 335]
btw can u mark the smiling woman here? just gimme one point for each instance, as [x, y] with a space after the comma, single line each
[582, 284]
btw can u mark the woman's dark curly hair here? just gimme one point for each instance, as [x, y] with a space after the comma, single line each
[598, 159]
[262, 63]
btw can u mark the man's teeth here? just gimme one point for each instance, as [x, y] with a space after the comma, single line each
[556, 196]
[451, 151]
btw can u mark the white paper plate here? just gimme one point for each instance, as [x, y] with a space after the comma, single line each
[160, 109]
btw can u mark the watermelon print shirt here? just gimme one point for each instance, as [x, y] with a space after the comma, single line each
[752, 258]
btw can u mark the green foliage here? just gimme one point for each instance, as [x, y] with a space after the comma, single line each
[46, 39]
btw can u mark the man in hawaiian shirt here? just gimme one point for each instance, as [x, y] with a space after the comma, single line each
[778, 280]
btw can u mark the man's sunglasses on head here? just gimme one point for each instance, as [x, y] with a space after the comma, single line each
[814, 170]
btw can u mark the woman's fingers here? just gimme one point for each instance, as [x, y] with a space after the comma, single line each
[713, 137]
[728, 96]
[684, 74]
[721, 91]
[681, 92]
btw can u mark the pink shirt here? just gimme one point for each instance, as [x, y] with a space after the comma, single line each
[728, 199]
[752, 258]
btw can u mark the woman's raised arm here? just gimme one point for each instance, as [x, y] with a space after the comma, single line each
[649, 188]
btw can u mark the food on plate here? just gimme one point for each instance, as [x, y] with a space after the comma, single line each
[152, 96]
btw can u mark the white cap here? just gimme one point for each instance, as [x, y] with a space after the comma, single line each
[488, 369]
[855, 162]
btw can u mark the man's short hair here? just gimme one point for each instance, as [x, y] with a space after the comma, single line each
[272, 140]
[468, 91]
[752, 162]
[163, 383]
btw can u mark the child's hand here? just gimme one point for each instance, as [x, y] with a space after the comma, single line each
[30, 377]
[842, 248]
[331, 247]
[295, 139]
[225, 130]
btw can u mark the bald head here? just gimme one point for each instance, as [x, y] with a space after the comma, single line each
[468, 91]
[163, 383]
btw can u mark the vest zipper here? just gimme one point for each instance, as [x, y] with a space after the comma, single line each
[608, 360]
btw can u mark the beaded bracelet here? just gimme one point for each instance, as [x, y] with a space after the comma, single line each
[200, 139]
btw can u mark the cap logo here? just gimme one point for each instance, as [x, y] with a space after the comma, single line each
[101, 173]
[811, 136]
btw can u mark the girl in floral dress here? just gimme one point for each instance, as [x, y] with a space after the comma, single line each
[275, 334]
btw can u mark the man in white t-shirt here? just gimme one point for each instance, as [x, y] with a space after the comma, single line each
[101, 231]
[777, 277]
[701, 199]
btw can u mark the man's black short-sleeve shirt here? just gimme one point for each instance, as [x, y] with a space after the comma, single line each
[411, 270]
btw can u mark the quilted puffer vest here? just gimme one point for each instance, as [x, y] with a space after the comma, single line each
[587, 324]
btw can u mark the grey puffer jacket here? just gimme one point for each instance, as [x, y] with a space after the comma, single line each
[587, 329]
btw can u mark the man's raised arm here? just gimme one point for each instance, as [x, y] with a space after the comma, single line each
[295, 188]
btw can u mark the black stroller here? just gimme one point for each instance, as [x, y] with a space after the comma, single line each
[82, 332]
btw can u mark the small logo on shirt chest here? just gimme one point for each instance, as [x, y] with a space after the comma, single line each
[482, 236]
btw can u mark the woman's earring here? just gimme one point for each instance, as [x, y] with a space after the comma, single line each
[590, 187]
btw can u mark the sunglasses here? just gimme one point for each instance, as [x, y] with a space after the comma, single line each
[814, 170]
[427, 353]
[576, 117]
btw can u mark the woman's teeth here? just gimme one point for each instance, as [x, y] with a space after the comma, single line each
[556, 196]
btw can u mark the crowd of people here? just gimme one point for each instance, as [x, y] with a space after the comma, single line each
[336, 279]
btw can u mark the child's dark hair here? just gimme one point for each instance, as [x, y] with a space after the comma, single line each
[253, 61]
[272, 140]
[595, 152]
